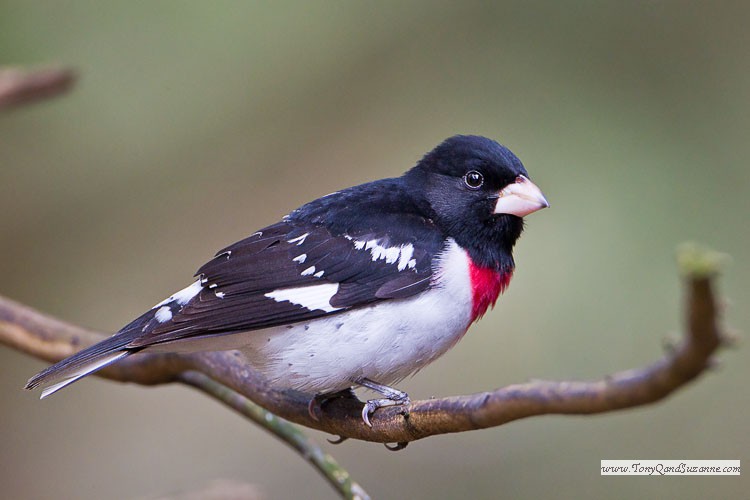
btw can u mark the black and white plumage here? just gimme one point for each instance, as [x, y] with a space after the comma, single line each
[370, 283]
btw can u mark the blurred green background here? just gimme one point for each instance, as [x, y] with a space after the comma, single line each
[195, 123]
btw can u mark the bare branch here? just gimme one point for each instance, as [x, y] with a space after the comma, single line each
[23, 86]
[227, 378]
[51, 339]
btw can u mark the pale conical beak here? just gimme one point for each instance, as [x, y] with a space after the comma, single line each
[520, 198]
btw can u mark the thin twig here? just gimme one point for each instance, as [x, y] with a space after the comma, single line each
[50, 339]
[336, 475]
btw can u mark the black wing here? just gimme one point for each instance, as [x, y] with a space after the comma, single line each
[247, 285]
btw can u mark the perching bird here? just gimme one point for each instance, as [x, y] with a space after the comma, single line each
[361, 287]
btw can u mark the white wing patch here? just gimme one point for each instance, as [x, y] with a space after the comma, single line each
[400, 255]
[183, 296]
[391, 255]
[310, 297]
[299, 239]
[163, 315]
[404, 259]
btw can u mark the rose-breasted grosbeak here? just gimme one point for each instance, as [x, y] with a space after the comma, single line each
[361, 287]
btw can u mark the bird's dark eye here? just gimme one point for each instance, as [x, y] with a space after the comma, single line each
[474, 179]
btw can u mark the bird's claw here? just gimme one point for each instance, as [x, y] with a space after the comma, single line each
[393, 397]
[368, 408]
[373, 404]
[398, 446]
[338, 440]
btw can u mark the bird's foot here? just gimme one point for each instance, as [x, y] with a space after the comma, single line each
[393, 397]
[319, 400]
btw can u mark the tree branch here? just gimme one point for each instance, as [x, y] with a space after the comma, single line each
[225, 377]
[51, 339]
[23, 86]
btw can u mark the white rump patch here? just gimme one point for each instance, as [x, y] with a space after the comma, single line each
[310, 297]
[164, 314]
[183, 296]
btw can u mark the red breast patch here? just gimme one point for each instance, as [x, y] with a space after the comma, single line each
[486, 286]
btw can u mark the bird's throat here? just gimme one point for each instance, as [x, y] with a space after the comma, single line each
[486, 285]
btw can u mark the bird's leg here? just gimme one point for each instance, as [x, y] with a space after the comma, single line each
[393, 397]
[320, 399]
